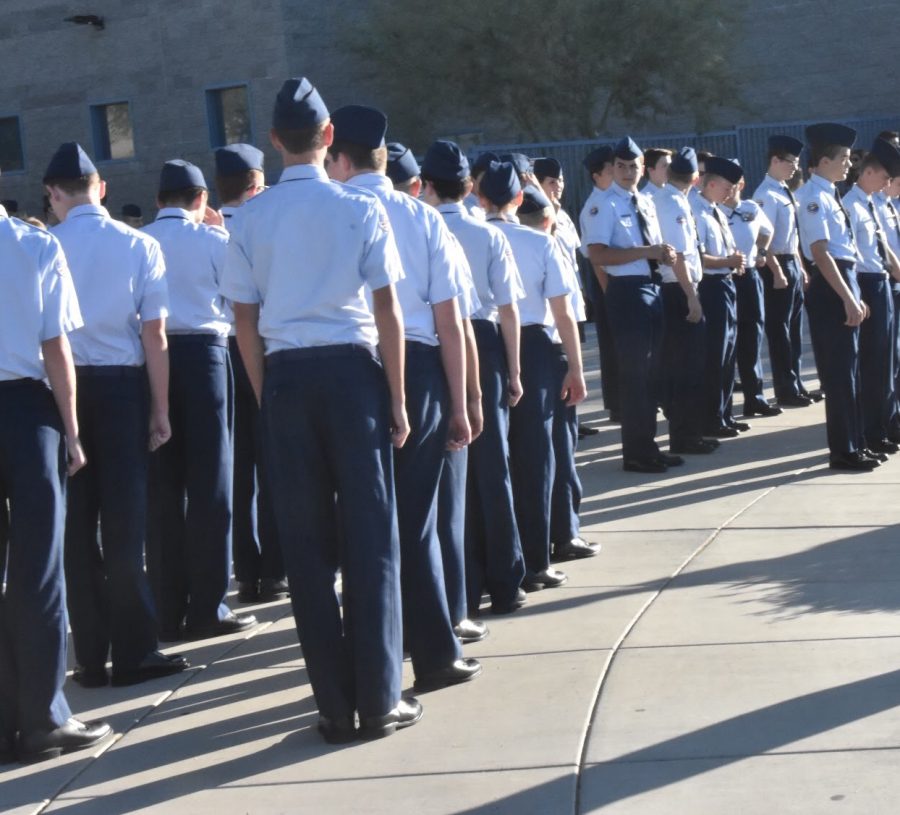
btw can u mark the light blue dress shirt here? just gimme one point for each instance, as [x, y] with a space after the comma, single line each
[865, 232]
[676, 223]
[890, 219]
[747, 222]
[774, 200]
[821, 219]
[713, 233]
[589, 211]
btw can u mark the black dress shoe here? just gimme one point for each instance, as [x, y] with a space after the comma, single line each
[615, 418]
[855, 461]
[741, 427]
[406, 714]
[885, 446]
[338, 731]
[462, 670]
[575, 549]
[796, 401]
[762, 409]
[894, 435]
[90, 677]
[152, 666]
[584, 430]
[7, 749]
[271, 589]
[508, 607]
[721, 432]
[73, 735]
[817, 395]
[669, 460]
[549, 578]
[714, 443]
[879, 457]
[248, 591]
[232, 624]
[643, 465]
[693, 447]
[470, 631]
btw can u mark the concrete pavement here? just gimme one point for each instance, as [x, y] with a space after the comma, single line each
[733, 649]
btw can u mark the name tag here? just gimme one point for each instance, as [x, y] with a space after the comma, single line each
[627, 221]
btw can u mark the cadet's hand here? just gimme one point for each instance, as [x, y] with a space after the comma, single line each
[805, 280]
[779, 281]
[75, 455]
[459, 434]
[399, 426]
[736, 262]
[855, 311]
[668, 255]
[212, 217]
[515, 390]
[476, 417]
[695, 310]
[573, 388]
[867, 312]
[160, 430]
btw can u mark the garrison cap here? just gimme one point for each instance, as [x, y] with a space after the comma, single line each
[131, 211]
[547, 168]
[888, 155]
[786, 144]
[444, 161]
[10, 205]
[684, 162]
[483, 162]
[180, 175]
[236, 159]
[401, 163]
[725, 168]
[593, 162]
[830, 133]
[518, 160]
[298, 105]
[69, 161]
[500, 183]
[360, 125]
[533, 200]
[627, 148]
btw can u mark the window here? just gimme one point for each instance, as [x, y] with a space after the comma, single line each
[229, 116]
[113, 135]
[12, 157]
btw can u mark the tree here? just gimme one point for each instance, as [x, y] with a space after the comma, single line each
[547, 69]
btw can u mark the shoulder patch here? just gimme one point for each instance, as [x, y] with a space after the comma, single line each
[747, 217]
[812, 206]
[680, 219]
[594, 211]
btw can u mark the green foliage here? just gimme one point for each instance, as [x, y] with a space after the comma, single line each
[549, 69]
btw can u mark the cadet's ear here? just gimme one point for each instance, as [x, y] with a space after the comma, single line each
[415, 188]
[517, 200]
[328, 134]
[276, 142]
[101, 188]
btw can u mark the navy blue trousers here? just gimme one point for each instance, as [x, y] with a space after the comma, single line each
[609, 365]
[895, 357]
[836, 349]
[635, 313]
[255, 546]
[683, 361]
[494, 559]
[417, 469]
[565, 500]
[784, 327]
[452, 530]
[327, 448]
[33, 606]
[717, 296]
[532, 462]
[751, 314]
[189, 521]
[109, 598]
[876, 387]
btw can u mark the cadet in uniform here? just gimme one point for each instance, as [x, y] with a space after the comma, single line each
[876, 266]
[331, 406]
[886, 205]
[189, 523]
[782, 275]
[470, 202]
[258, 565]
[656, 166]
[435, 390]
[833, 300]
[623, 239]
[39, 446]
[119, 277]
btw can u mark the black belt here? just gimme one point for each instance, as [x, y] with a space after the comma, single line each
[198, 339]
[13, 384]
[117, 371]
[843, 266]
[346, 349]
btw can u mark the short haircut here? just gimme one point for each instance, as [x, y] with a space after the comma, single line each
[302, 140]
[819, 151]
[405, 186]
[889, 135]
[709, 177]
[778, 152]
[73, 186]
[869, 160]
[536, 218]
[232, 187]
[654, 154]
[361, 157]
[447, 190]
[182, 198]
[680, 178]
[703, 155]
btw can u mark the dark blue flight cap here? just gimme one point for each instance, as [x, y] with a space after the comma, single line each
[830, 133]
[401, 163]
[236, 159]
[500, 183]
[131, 211]
[684, 162]
[180, 175]
[627, 149]
[888, 156]
[533, 200]
[593, 162]
[725, 168]
[547, 168]
[10, 205]
[518, 160]
[298, 106]
[786, 144]
[483, 162]
[360, 125]
[444, 161]
[69, 161]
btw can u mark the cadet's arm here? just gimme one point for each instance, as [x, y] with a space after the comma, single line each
[603, 256]
[389, 322]
[61, 376]
[594, 250]
[250, 344]
[573, 389]
[448, 325]
[893, 263]
[855, 311]
[510, 329]
[156, 350]
[473, 382]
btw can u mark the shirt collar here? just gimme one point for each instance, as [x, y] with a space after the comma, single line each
[371, 181]
[614, 187]
[859, 192]
[227, 212]
[821, 181]
[452, 207]
[303, 172]
[87, 209]
[173, 212]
